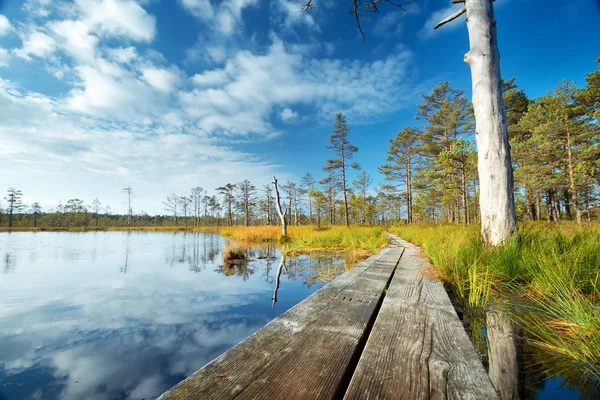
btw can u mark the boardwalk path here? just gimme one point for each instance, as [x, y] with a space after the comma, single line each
[379, 331]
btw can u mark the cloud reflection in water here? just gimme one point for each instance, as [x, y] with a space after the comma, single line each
[125, 315]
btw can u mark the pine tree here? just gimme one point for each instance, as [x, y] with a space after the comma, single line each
[308, 185]
[246, 199]
[344, 152]
[227, 191]
[402, 158]
[13, 198]
[362, 183]
[36, 209]
[448, 117]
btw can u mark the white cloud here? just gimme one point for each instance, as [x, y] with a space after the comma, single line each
[123, 55]
[37, 44]
[217, 53]
[88, 20]
[76, 39]
[427, 31]
[226, 17]
[256, 84]
[161, 79]
[288, 115]
[211, 78]
[230, 14]
[37, 8]
[36, 131]
[4, 56]
[118, 18]
[5, 26]
[110, 91]
[201, 9]
[390, 24]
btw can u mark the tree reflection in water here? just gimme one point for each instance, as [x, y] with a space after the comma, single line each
[195, 249]
[280, 269]
[310, 270]
[540, 368]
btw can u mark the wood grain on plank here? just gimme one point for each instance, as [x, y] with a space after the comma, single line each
[418, 348]
[330, 308]
[316, 363]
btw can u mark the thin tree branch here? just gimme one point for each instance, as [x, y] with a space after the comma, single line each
[457, 1]
[451, 18]
[356, 16]
[374, 7]
[401, 5]
[365, 7]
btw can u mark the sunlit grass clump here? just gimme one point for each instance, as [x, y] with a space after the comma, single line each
[233, 254]
[356, 242]
[548, 278]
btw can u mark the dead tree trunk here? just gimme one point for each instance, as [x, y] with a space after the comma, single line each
[496, 197]
[282, 214]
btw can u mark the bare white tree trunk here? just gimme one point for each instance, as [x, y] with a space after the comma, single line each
[281, 214]
[496, 199]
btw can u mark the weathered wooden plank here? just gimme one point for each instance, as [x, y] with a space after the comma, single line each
[418, 348]
[325, 311]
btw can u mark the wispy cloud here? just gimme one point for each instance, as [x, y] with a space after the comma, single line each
[5, 26]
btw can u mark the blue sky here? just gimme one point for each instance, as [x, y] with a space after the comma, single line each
[165, 95]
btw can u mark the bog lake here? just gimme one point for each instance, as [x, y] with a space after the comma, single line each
[128, 314]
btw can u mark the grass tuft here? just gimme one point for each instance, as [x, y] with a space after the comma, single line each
[233, 254]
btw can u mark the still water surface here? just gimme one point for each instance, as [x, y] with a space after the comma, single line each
[126, 315]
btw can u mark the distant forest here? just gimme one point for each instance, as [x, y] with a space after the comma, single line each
[430, 173]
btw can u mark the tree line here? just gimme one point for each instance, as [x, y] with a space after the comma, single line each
[555, 149]
[430, 173]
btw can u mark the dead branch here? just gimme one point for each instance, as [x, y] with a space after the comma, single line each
[401, 5]
[355, 12]
[451, 17]
[308, 6]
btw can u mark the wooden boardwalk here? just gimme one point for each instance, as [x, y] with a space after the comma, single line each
[379, 331]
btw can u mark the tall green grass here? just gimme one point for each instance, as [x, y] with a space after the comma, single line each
[548, 279]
